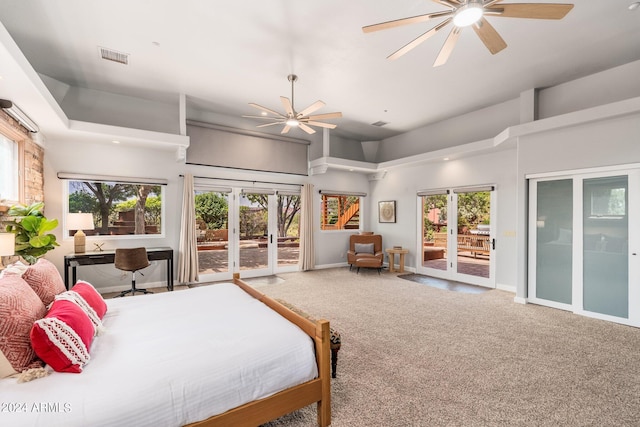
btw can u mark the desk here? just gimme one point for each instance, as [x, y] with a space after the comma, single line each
[392, 258]
[108, 257]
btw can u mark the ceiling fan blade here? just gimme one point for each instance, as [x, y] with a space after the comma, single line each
[532, 10]
[406, 48]
[449, 3]
[259, 117]
[325, 116]
[404, 21]
[268, 110]
[489, 36]
[448, 46]
[311, 108]
[268, 124]
[286, 103]
[320, 124]
[306, 128]
[286, 129]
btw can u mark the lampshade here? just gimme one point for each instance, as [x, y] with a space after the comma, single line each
[80, 221]
[7, 244]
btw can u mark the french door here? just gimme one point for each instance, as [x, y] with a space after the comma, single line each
[583, 243]
[251, 231]
[458, 246]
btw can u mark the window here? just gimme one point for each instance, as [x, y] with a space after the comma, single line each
[118, 208]
[9, 165]
[340, 211]
[607, 200]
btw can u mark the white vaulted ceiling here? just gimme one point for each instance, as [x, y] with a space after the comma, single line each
[225, 54]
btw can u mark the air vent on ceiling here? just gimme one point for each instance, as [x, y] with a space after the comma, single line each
[113, 55]
[379, 123]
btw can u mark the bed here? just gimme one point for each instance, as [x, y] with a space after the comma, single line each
[218, 355]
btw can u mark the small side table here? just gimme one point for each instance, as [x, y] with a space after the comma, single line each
[392, 258]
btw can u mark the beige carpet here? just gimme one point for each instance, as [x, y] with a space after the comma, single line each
[415, 355]
[419, 355]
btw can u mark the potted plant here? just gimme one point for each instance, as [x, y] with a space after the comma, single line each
[31, 228]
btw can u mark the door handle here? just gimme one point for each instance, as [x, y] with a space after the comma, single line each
[493, 244]
[271, 238]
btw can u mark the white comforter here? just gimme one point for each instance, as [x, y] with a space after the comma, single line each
[167, 360]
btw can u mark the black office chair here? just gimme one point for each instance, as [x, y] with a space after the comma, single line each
[132, 260]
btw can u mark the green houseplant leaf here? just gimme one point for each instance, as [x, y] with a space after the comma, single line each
[31, 228]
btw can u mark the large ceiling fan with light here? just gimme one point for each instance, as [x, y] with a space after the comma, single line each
[464, 13]
[291, 118]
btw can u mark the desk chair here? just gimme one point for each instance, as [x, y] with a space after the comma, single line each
[132, 260]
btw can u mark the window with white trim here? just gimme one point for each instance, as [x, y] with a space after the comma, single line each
[119, 208]
[9, 173]
[340, 211]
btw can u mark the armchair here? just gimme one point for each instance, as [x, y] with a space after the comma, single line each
[365, 250]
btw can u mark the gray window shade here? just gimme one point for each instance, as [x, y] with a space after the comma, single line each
[432, 192]
[474, 189]
[213, 145]
[109, 178]
[341, 193]
[212, 188]
[258, 191]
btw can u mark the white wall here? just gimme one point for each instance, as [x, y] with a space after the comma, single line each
[471, 127]
[331, 246]
[119, 110]
[614, 141]
[601, 88]
[112, 159]
[345, 148]
[402, 184]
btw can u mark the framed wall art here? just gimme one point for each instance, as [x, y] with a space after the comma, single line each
[387, 211]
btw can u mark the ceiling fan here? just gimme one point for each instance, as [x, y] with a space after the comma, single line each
[464, 13]
[292, 118]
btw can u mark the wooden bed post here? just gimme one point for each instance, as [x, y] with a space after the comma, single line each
[324, 371]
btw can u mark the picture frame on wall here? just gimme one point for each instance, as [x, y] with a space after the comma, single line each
[387, 211]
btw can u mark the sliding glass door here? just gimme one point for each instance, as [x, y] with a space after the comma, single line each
[580, 237]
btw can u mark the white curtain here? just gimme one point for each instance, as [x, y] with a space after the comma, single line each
[188, 254]
[307, 254]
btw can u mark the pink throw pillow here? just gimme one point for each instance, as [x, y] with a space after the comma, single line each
[19, 308]
[62, 338]
[91, 296]
[45, 279]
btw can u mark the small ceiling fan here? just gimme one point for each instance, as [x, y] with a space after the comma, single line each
[464, 13]
[292, 118]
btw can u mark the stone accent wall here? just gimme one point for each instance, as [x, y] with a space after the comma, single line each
[33, 172]
[31, 160]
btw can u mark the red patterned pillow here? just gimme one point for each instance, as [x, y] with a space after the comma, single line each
[62, 338]
[91, 296]
[19, 308]
[45, 279]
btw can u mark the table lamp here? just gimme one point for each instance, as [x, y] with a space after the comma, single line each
[7, 245]
[79, 221]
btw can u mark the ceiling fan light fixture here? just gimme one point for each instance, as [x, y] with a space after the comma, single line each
[468, 14]
[292, 122]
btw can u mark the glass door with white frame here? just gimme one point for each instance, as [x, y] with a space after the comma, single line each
[434, 241]
[287, 213]
[474, 242]
[460, 246]
[255, 237]
[214, 227]
[581, 244]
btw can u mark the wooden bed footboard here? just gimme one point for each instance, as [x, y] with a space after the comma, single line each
[318, 390]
